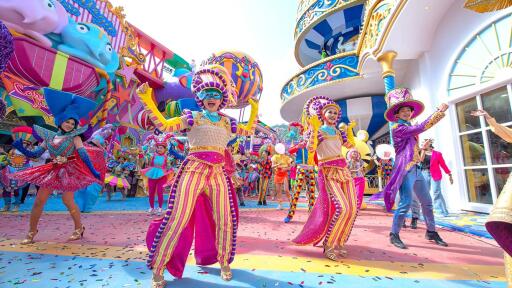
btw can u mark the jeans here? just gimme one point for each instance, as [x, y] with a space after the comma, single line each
[439, 202]
[415, 206]
[414, 182]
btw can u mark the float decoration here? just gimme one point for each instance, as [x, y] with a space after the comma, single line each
[244, 71]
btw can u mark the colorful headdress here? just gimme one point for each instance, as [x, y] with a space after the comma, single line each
[398, 98]
[297, 125]
[159, 141]
[317, 104]
[214, 77]
[24, 133]
[64, 105]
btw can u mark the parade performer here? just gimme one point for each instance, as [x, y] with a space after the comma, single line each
[16, 161]
[407, 176]
[305, 175]
[158, 171]
[202, 196]
[281, 163]
[499, 223]
[251, 180]
[356, 167]
[71, 168]
[87, 197]
[335, 209]
[117, 178]
[265, 167]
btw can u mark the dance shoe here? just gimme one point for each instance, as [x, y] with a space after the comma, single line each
[159, 211]
[225, 273]
[151, 211]
[77, 234]
[29, 239]
[434, 236]
[394, 239]
[414, 223]
[158, 281]
[287, 220]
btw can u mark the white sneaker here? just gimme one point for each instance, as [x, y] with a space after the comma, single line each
[159, 211]
[279, 207]
[151, 211]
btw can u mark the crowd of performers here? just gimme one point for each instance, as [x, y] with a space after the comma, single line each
[207, 181]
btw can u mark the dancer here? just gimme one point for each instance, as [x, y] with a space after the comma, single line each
[265, 167]
[16, 161]
[499, 223]
[356, 167]
[202, 196]
[117, 178]
[281, 163]
[71, 168]
[305, 175]
[406, 175]
[157, 172]
[335, 210]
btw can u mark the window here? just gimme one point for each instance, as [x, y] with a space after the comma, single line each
[487, 159]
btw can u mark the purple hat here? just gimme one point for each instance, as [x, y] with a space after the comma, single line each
[398, 98]
[317, 104]
[214, 77]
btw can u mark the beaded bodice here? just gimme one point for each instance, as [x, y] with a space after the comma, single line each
[329, 146]
[64, 147]
[205, 133]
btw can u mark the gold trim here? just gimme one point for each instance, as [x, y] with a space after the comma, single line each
[320, 86]
[299, 38]
[207, 149]
[386, 61]
[337, 157]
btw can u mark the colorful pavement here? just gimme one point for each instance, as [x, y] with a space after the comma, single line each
[112, 253]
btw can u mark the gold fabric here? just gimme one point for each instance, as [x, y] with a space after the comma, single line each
[337, 174]
[330, 147]
[508, 270]
[205, 133]
[483, 6]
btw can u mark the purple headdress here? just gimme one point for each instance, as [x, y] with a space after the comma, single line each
[214, 77]
[317, 104]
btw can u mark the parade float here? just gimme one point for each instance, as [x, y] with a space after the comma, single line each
[87, 48]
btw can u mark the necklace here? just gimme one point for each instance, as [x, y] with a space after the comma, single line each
[212, 116]
[329, 130]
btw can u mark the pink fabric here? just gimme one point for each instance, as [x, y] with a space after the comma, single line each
[293, 172]
[212, 157]
[436, 163]
[359, 183]
[156, 186]
[318, 221]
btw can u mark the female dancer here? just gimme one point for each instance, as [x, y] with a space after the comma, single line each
[356, 167]
[335, 211]
[202, 195]
[157, 172]
[71, 169]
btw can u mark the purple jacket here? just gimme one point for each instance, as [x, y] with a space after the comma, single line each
[405, 138]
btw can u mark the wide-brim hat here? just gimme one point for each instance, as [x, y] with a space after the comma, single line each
[398, 98]
[214, 77]
[317, 104]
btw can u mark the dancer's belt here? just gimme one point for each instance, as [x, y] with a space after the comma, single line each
[208, 157]
[207, 149]
[338, 161]
[61, 160]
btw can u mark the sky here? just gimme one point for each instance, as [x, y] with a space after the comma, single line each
[194, 29]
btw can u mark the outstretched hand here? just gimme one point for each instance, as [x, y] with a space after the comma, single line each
[480, 112]
[443, 107]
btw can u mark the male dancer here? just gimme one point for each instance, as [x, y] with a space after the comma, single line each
[407, 176]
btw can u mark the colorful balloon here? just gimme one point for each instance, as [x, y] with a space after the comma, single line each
[244, 71]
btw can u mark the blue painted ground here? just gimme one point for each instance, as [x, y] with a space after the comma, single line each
[38, 270]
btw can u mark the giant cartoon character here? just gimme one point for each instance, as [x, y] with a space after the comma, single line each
[34, 18]
[89, 43]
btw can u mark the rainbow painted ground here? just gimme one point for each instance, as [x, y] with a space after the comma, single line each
[112, 253]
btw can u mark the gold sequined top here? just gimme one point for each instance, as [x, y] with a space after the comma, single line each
[330, 147]
[206, 135]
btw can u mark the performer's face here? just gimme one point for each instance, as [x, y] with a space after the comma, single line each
[331, 115]
[160, 149]
[405, 113]
[68, 125]
[212, 105]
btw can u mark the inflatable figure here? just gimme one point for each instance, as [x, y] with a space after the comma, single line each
[34, 17]
[89, 43]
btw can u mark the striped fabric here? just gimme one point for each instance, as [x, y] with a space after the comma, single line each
[368, 112]
[196, 178]
[343, 195]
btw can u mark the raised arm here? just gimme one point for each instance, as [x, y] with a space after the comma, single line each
[414, 130]
[145, 94]
[36, 153]
[248, 129]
